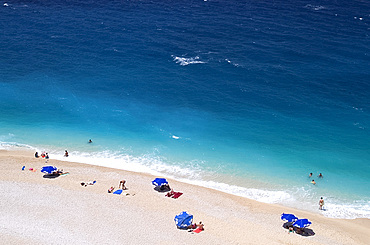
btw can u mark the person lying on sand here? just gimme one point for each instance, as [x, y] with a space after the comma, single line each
[192, 226]
[88, 183]
[170, 193]
[60, 172]
[110, 190]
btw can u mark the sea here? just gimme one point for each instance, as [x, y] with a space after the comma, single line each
[242, 96]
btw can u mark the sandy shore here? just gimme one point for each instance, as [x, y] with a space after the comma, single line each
[37, 210]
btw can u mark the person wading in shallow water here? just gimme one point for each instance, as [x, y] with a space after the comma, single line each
[321, 203]
[66, 153]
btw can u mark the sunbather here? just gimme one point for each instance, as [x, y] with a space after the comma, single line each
[200, 226]
[110, 190]
[88, 183]
[192, 226]
[170, 193]
[60, 172]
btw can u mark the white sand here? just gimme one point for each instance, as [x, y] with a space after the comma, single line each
[36, 210]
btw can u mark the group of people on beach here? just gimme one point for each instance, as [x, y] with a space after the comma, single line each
[321, 201]
[43, 155]
[46, 155]
[195, 226]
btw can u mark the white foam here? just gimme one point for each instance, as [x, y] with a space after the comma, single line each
[14, 146]
[183, 61]
[230, 62]
[359, 209]
[107, 159]
[175, 137]
[266, 196]
[314, 7]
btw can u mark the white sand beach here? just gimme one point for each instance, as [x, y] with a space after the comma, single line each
[37, 210]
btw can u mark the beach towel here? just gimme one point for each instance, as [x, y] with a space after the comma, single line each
[177, 195]
[118, 192]
[197, 230]
[169, 194]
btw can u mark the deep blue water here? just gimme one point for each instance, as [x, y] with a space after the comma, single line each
[247, 97]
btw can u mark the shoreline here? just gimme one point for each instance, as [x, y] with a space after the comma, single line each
[228, 219]
[301, 196]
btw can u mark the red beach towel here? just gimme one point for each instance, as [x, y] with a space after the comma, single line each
[197, 230]
[177, 195]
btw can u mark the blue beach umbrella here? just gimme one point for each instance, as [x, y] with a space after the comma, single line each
[289, 217]
[159, 181]
[302, 223]
[48, 169]
[183, 220]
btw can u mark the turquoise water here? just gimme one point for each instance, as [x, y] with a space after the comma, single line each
[248, 101]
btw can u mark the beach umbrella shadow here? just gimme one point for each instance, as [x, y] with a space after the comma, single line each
[51, 176]
[162, 188]
[286, 225]
[307, 232]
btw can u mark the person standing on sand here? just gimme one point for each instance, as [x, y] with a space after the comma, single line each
[321, 203]
[122, 184]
